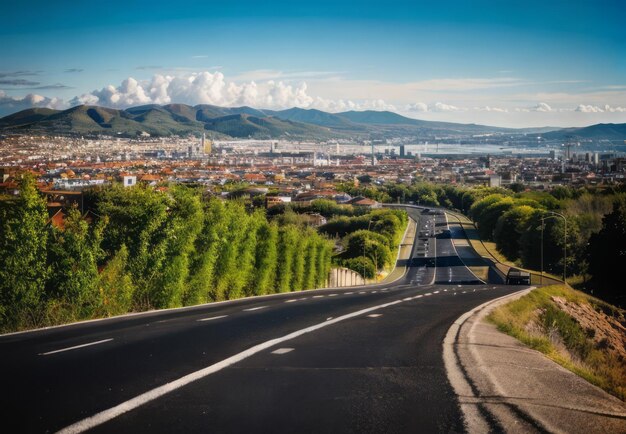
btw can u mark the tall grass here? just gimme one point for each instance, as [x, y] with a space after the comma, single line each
[536, 320]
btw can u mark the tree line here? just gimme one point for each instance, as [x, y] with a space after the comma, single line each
[143, 248]
[368, 239]
[512, 218]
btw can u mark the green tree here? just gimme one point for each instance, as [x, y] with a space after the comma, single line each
[266, 259]
[208, 244]
[287, 253]
[183, 224]
[115, 286]
[364, 266]
[509, 228]
[489, 216]
[299, 263]
[607, 256]
[23, 269]
[310, 262]
[137, 219]
[74, 252]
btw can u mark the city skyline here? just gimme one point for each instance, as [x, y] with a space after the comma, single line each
[523, 64]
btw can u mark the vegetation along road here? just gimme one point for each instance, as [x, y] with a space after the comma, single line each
[369, 359]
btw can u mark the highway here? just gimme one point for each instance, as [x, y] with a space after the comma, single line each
[359, 359]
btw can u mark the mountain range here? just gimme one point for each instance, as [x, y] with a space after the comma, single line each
[243, 122]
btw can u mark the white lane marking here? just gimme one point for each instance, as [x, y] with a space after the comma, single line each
[373, 292]
[463, 292]
[375, 315]
[282, 351]
[76, 347]
[329, 318]
[361, 292]
[407, 299]
[349, 293]
[427, 294]
[254, 308]
[212, 318]
[436, 292]
[303, 298]
[332, 295]
[317, 296]
[418, 296]
[151, 395]
[291, 301]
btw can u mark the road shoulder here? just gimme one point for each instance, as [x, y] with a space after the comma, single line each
[504, 386]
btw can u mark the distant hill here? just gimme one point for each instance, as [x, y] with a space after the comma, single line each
[612, 132]
[243, 122]
[317, 117]
[379, 118]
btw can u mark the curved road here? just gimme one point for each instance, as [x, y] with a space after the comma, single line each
[360, 359]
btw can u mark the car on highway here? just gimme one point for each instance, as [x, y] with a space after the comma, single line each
[515, 276]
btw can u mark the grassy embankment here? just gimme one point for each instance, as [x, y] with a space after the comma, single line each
[583, 334]
[487, 249]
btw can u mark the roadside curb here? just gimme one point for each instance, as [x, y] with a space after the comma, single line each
[504, 386]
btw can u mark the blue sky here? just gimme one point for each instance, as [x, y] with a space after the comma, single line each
[513, 63]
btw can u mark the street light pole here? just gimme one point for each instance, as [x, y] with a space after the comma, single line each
[541, 278]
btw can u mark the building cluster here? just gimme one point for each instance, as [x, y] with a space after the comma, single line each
[288, 171]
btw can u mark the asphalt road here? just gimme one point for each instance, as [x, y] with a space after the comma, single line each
[346, 360]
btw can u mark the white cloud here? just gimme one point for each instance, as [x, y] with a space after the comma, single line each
[418, 107]
[421, 107]
[10, 104]
[491, 109]
[441, 107]
[595, 109]
[542, 107]
[213, 88]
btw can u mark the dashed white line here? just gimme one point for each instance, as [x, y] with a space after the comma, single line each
[317, 296]
[375, 315]
[436, 292]
[291, 301]
[361, 292]
[407, 299]
[427, 294]
[332, 295]
[418, 296]
[349, 293]
[76, 347]
[329, 318]
[254, 308]
[212, 318]
[151, 395]
[282, 351]
[373, 292]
